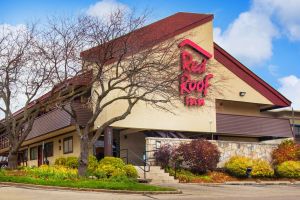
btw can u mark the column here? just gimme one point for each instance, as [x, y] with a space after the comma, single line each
[108, 140]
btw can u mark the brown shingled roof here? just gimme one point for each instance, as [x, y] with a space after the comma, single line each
[158, 31]
[83, 79]
[58, 119]
[180, 23]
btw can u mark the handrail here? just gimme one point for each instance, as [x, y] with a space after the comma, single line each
[145, 167]
[150, 151]
[122, 157]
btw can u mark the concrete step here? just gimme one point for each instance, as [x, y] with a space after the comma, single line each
[156, 175]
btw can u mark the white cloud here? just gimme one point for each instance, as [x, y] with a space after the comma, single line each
[290, 87]
[249, 37]
[10, 33]
[103, 9]
[286, 13]
[10, 29]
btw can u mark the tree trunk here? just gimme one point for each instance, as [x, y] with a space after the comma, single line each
[84, 154]
[12, 160]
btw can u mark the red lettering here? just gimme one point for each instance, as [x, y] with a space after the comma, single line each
[192, 66]
[186, 60]
[190, 101]
[185, 78]
[188, 86]
[199, 88]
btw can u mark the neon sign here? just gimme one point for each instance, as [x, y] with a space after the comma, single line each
[193, 90]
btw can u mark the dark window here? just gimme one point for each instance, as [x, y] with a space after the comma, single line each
[3, 141]
[33, 153]
[297, 130]
[48, 149]
[25, 154]
[68, 145]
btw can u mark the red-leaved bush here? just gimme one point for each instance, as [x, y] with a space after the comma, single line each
[288, 150]
[163, 155]
[199, 156]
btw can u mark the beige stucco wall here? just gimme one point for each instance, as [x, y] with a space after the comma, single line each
[238, 108]
[135, 143]
[225, 85]
[57, 151]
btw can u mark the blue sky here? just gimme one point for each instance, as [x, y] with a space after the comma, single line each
[262, 34]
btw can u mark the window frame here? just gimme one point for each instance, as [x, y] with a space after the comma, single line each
[68, 139]
[37, 153]
[297, 130]
[45, 151]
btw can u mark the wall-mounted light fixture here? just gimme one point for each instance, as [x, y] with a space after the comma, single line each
[242, 94]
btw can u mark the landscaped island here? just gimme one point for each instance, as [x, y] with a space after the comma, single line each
[110, 173]
[197, 161]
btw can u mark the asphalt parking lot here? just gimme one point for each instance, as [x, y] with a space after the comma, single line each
[224, 192]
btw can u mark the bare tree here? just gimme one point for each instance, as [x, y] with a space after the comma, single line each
[22, 78]
[120, 63]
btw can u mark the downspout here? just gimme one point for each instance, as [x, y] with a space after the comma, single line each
[43, 146]
[293, 122]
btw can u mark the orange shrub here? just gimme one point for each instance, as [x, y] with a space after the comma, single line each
[286, 151]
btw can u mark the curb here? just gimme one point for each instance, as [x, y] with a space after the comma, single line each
[247, 183]
[263, 183]
[23, 185]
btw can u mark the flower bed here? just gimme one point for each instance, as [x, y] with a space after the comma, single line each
[109, 173]
[196, 162]
[185, 176]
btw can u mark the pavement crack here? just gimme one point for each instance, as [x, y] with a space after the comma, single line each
[146, 195]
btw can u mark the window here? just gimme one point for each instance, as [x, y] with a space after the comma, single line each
[33, 153]
[25, 154]
[48, 149]
[68, 145]
[297, 130]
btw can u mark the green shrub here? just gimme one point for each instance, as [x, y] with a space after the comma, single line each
[130, 171]
[60, 161]
[115, 162]
[72, 162]
[289, 169]
[120, 178]
[181, 174]
[99, 173]
[286, 151]
[262, 168]
[118, 172]
[107, 169]
[57, 172]
[237, 166]
[2, 172]
[92, 164]
[110, 167]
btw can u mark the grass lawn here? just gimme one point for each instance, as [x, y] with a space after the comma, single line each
[85, 183]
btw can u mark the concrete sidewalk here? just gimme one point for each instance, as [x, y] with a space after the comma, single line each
[190, 192]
